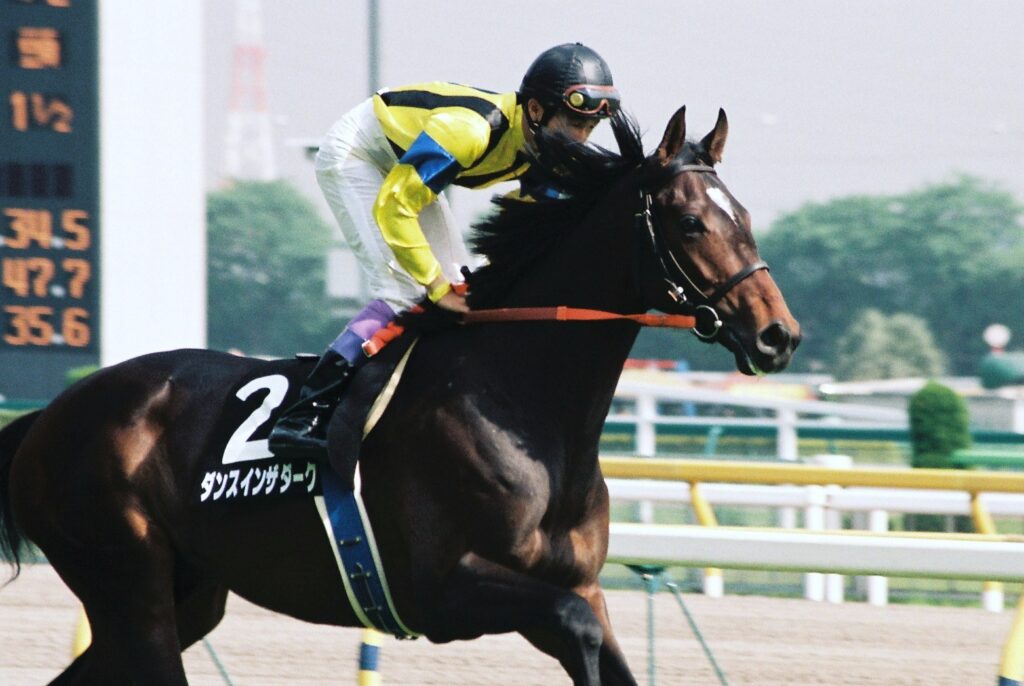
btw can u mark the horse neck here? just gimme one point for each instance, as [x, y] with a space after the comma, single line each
[595, 267]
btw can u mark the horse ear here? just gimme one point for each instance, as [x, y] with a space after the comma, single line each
[675, 136]
[714, 142]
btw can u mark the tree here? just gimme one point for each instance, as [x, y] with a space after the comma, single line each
[266, 253]
[876, 346]
[950, 254]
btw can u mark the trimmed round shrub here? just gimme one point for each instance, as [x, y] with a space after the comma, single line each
[938, 425]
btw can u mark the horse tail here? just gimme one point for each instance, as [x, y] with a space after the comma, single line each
[11, 538]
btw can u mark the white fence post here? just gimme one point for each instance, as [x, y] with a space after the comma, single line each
[814, 520]
[834, 590]
[646, 445]
[786, 445]
[646, 415]
[878, 586]
[1017, 412]
[786, 440]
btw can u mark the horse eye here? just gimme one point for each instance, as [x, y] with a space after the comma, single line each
[691, 224]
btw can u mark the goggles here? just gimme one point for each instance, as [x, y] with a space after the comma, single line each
[592, 100]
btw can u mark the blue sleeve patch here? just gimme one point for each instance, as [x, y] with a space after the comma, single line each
[540, 191]
[550, 192]
[435, 165]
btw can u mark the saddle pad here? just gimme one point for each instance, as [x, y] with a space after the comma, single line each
[247, 471]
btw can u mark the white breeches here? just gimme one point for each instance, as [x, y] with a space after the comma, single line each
[350, 167]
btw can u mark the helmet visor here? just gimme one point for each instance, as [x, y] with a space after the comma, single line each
[601, 101]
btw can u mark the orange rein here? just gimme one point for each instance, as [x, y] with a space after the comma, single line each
[561, 313]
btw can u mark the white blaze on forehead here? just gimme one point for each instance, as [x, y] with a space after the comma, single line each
[722, 200]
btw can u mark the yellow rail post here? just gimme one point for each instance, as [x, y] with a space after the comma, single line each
[714, 585]
[1011, 667]
[992, 591]
[369, 657]
[83, 635]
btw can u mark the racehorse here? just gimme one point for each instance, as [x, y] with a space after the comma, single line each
[481, 478]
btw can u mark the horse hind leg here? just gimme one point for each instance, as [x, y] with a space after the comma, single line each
[128, 594]
[198, 610]
[82, 499]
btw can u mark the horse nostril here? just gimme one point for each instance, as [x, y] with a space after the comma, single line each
[774, 339]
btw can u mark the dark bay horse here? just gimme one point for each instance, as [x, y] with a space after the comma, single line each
[481, 478]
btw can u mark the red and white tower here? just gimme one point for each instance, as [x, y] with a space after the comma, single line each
[249, 149]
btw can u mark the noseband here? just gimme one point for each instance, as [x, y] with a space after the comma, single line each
[708, 323]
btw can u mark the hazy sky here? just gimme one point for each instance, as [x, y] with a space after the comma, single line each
[825, 98]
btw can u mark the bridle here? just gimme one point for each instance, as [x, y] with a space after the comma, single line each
[708, 323]
[702, 317]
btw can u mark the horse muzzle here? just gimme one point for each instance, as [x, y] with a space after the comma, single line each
[770, 350]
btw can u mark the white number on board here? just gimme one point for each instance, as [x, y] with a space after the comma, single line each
[239, 447]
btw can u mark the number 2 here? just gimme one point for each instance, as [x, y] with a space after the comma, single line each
[239, 447]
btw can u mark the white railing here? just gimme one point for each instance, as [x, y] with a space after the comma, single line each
[823, 507]
[972, 556]
[941, 556]
[647, 392]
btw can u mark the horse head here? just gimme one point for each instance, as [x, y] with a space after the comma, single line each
[701, 256]
[705, 259]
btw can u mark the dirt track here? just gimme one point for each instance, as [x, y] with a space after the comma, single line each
[760, 641]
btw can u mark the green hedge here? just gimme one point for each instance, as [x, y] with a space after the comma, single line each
[938, 426]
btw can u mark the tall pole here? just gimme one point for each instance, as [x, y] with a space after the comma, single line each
[249, 145]
[373, 25]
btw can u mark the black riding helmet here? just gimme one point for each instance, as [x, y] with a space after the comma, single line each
[574, 77]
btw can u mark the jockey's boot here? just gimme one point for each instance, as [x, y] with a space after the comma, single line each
[302, 428]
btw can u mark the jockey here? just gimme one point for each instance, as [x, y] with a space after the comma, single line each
[382, 168]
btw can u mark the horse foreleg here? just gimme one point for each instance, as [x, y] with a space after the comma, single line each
[482, 597]
[614, 669]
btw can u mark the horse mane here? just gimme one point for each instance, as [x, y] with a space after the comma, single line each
[520, 231]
